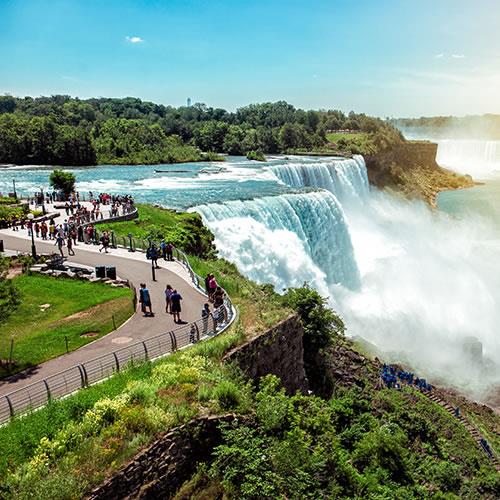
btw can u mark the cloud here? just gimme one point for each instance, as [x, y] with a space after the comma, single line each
[458, 56]
[439, 56]
[134, 39]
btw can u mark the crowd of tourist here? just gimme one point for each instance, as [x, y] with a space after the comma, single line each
[394, 378]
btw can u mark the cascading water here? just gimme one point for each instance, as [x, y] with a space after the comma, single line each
[346, 178]
[315, 219]
[478, 158]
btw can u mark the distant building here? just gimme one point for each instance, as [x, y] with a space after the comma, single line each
[189, 101]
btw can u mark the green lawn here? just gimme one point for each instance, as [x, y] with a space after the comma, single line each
[40, 334]
[184, 230]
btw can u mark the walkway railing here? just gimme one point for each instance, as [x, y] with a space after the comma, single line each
[66, 382]
[61, 384]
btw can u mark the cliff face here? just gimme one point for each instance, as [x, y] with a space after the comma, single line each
[278, 351]
[411, 169]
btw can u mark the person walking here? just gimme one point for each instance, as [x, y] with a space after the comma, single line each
[60, 243]
[37, 229]
[205, 314]
[52, 229]
[212, 287]
[163, 249]
[176, 306]
[70, 247]
[170, 251]
[44, 230]
[104, 242]
[145, 300]
[154, 256]
[168, 299]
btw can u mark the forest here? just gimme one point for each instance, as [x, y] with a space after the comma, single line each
[62, 130]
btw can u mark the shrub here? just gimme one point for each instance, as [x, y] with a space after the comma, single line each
[62, 181]
[227, 394]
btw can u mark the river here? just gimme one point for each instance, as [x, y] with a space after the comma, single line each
[414, 283]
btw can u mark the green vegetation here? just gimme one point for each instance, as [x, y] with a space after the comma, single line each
[62, 181]
[359, 441]
[256, 156]
[75, 308]
[359, 444]
[120, 141]
[184, 230]
[365, 143]
[61, 130]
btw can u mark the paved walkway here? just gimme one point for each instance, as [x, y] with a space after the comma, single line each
[131, 266]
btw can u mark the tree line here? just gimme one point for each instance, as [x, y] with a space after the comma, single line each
[62, 130]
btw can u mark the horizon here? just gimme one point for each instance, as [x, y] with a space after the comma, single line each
[383, 59]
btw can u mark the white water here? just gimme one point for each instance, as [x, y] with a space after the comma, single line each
[478, 158]
[312, 222]
[426, 280]
[347, 179]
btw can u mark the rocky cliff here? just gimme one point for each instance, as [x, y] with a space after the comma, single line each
[410, 168]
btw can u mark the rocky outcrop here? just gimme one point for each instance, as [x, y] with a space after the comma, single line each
[159, 470]
[411, 169]
[278, 351]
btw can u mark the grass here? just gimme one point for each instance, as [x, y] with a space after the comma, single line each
[356, 143]
[80, 439]
[185, 230]
[39, 334]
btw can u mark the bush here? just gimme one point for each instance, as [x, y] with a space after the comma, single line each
[227, 394]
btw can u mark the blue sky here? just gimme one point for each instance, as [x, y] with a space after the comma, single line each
[382, 57]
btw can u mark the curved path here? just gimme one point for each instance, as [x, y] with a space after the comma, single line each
[131, 266]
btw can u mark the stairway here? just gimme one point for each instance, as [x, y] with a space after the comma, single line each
[472, 430]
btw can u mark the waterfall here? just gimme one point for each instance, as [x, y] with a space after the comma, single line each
[346, 178]
[311, 223]
[479, 158]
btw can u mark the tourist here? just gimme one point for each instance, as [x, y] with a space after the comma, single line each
[176, 306]
[70, 247]
[73, 235]
[168, 299]
[60, 243]
[207, 283]
[153, 255]
[52, 229]
[66, 208]
[170, 251]
[104, 242]
[163, 249]
[218, 297]
[212, 287]
[205, 314]
[37, 229]
[145, 300]
[44, 230]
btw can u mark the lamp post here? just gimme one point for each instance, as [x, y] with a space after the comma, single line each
[33, 248]
[43, 201]
[153, 271]
[14, 188]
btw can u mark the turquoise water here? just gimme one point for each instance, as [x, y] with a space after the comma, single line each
[182, 186]
[481, 202]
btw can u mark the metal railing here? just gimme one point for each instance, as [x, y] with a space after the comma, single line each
[61, 384]
[66, 382]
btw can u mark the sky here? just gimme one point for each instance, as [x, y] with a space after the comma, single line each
[381, 57]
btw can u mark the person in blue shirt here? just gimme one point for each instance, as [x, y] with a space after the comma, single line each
[176, 306]
[145, 300]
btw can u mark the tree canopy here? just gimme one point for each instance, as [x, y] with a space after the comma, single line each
[61, 130]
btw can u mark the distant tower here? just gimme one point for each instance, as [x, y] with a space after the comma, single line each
[189, 101]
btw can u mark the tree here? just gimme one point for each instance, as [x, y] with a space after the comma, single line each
[62, 181]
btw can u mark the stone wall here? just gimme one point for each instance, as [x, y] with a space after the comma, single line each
[160, 470]
[119, 218]
[278, 351]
